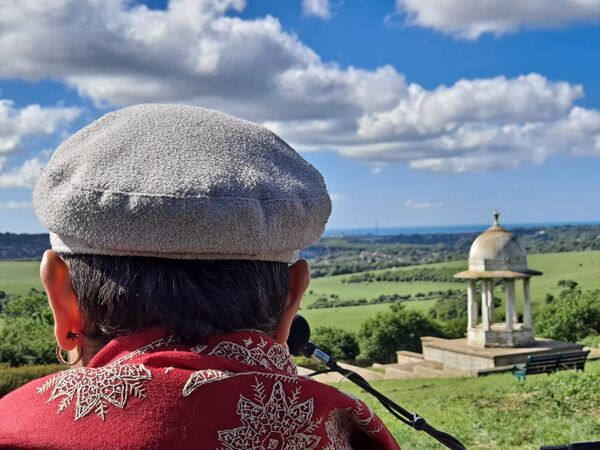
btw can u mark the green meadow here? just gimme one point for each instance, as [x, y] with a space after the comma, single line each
[17, 277]
[583, 267]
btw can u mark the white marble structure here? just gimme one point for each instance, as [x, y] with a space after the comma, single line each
[497, 257]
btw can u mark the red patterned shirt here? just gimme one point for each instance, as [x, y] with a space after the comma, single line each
[238, 391]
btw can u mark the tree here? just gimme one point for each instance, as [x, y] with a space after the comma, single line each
[449, 308]
[336, 342]
[383, 335]
[571, 317]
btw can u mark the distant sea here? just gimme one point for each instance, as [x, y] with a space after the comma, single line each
[447, 229]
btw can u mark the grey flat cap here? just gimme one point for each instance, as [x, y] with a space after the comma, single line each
[178, 181]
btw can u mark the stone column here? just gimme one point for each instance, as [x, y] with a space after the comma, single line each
[527, 319]
[509, 288]
[472, 304]
[490, 299]
[485, 315]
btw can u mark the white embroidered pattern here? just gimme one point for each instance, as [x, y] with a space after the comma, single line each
[206, 376]
[201, 377]
[341, 421]
[276, 423]
[199, 348]
[365, 418]
[96, 388]
[253, 354]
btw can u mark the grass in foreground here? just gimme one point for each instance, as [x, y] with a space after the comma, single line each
[497, 412]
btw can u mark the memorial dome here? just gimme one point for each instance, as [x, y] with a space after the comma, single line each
[497, 253]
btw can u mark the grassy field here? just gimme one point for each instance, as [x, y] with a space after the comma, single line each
[497, 412]
[18, 277]
[584, 267]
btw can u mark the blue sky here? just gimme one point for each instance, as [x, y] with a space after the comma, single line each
[416, 112]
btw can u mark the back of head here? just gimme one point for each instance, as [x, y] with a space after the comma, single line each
[179, 216]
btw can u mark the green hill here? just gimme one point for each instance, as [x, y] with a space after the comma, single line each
[583, 267]
[18, 277]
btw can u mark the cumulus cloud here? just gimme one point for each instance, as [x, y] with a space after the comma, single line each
[412, 204]
[13, 205]
[317, 8]
[23, 176]
[469, 19]
[118, 53]
[19, 123]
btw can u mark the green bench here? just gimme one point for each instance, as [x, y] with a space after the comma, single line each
[550, 363]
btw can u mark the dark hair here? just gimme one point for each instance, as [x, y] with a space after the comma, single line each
[191, 299]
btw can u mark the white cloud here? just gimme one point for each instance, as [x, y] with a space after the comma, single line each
[412, 204]
[469, 19]
[33, 120]
[23, 176]
[317, 8]
[422, 112]
[13, 205]
[18, 124]
[118, 54]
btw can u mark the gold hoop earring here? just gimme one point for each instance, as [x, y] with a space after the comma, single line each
[62, 360]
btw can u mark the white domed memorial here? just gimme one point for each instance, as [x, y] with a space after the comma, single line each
[497, 257]
[496, 260]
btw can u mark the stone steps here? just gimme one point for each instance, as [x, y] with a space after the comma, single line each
[398, 372]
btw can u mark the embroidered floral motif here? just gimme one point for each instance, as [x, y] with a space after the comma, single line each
[279, 423]
[205, 376]
[201, 377]
[253, 354]
[96, 388]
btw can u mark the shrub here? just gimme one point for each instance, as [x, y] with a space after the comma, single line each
[449, 308]
[399, 329]
[338, 343]
[13, 377]
[26, 335]
[571, 317]
[592, 340]
[455, 328]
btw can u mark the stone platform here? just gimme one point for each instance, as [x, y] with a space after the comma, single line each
[458, 355]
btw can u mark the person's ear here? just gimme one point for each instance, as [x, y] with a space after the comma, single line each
[68, 319]
[299, 278]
